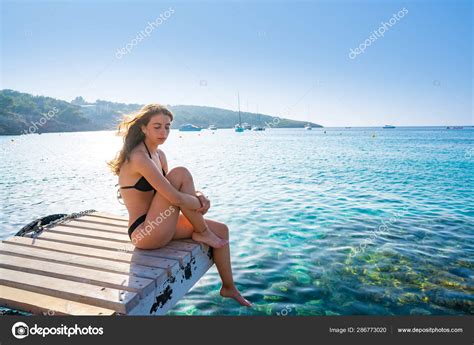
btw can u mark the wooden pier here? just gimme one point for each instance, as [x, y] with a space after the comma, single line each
[88, 266]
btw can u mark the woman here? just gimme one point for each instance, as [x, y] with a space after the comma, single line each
[155, 196]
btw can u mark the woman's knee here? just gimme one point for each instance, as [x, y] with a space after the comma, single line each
[180, 171]
[178, 175]
[225, 230]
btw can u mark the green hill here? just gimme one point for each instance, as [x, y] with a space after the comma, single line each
[22, 113]
[222, 118]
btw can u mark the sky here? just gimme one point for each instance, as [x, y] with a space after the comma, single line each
[294, 59]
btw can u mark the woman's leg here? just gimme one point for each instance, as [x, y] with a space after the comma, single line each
[184, 229]
[159, 226]
[182, 180]
[160, 223]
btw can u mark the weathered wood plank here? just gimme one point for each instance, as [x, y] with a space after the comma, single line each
[170, 293]
[102, 220]
[107, 216]
[141, 286]
[97, 226]
[91, 233]
[39, 304]
[182, 257]
[46, 255]
[123, 238]
[120, 301]
[119, 256]
[185, 247]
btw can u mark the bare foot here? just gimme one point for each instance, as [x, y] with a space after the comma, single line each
[235, 294]
[209, 238]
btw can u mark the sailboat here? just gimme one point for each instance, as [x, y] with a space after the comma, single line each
[238, 127]
[257, 127]
[308, 125]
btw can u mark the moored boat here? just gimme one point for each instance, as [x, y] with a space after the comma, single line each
[188, 127]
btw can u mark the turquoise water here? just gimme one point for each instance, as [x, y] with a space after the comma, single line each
[351, 221]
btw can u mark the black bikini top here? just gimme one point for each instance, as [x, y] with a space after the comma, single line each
[142, 184]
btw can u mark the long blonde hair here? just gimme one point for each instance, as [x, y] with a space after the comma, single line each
[130, 130]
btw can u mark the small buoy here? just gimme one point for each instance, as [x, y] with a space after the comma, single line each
[373, 135]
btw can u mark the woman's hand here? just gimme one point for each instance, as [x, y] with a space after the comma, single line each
[205, 202]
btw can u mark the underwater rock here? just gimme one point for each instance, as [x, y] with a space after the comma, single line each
[272, 298]
[419, 311]
[301, 277]
[281, 286]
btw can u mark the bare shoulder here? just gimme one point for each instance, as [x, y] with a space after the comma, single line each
[138, 156]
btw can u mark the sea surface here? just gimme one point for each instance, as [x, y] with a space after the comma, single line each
[333, 221]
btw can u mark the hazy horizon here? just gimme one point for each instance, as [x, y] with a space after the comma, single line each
[322, 124]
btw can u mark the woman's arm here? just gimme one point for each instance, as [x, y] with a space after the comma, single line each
[163, 160]
[145, 166]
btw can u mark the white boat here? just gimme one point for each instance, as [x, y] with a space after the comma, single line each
[308, 126]
[258, 128]
[212, 127]
[189, 128]
[246, 126]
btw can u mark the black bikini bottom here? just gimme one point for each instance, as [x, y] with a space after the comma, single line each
[135, 224]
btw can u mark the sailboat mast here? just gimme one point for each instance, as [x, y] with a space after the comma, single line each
[238, 100]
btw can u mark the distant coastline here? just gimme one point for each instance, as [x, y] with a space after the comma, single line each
[371, 128]
[23, 113]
